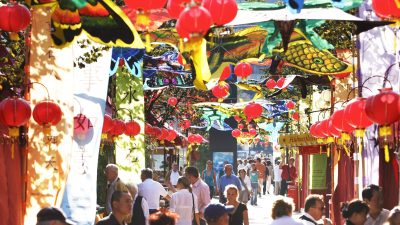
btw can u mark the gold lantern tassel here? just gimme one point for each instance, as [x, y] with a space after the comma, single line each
[189, 150]
[338, 159]
[14, 36]
[13, 132]
[386, 148]
[328, 151]
[346, 150]
[198, 53]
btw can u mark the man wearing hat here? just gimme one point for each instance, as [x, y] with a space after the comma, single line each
[217, 214]
[52, 215]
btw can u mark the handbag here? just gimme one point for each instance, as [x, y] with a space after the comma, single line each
[245, 195]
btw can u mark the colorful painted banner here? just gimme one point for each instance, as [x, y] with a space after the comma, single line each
[48, 156]
[130, 105]
[318, 172]
[90, 92]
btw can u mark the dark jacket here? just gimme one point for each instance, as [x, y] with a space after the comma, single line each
[109, 220]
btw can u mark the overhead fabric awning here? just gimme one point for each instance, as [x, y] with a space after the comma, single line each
[257, 16]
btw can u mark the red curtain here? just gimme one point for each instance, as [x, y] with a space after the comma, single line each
[345, 187]
[389, 179]
[10, 182]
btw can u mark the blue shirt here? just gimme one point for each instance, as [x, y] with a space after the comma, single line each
[227, 180]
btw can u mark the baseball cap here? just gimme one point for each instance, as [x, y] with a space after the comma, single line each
[53, 213]
[214, 211]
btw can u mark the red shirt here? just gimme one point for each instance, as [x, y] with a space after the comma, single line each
[285, 173]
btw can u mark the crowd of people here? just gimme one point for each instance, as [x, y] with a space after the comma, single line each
[189, 195]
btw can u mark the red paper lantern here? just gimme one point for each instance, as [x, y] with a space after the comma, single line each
[198, 138]
[252, 132]
[355, 114]
[222, 11]
[175, 7]
[236, 133]
[313, 131]
[14, 17]
[171, 135]
[148, 129]
[193, 21]
[226, 73]
[164, 134]
[132, 128]
[271, 84]
[118, 127]
[185, 124]
[240, 126]
[387, 9]
[172, 101]
[145, 5]
[332, 130]
[253, 110]
[296, 116]
[324, 127]
[340, 122]
[319, 132]
[221, 90]
[47, 113]
[192, 138]
[82, 125]
[280, 82]
[237, 118]
[243, 70]
[383, 108]
[14, 112]
[107, 124]
[156, 132]
[290, 105]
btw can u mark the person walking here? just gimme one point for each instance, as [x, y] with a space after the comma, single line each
[210, 177]
[184, 203]
[140, 208]
[261, 170]
[200, 189]
[282, 210]
[114, 183]
[239, 215]
[227, 179]
[355, 212]
[121, 204]
[372, 195]
[151, 190]
[314, 211]
[269, 174]
[254, 174]
[245, 185]
[52, 215]
[289, 175]
[217, 214]
[277, 178]
[173, 175]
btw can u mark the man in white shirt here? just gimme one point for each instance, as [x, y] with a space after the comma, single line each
[277, 178]
[314, 210]
[151, 190]
[173, 175]
[372, 195]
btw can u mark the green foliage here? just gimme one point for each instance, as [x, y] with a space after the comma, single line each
[91, 56]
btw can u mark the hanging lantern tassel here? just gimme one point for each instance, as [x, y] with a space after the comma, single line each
[338, 158]
[189, 150]
[359, 135]
[346, 150]
[384, 132]
[13, 132]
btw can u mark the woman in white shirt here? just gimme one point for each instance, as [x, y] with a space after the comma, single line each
[184, 203]
[245, 185]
